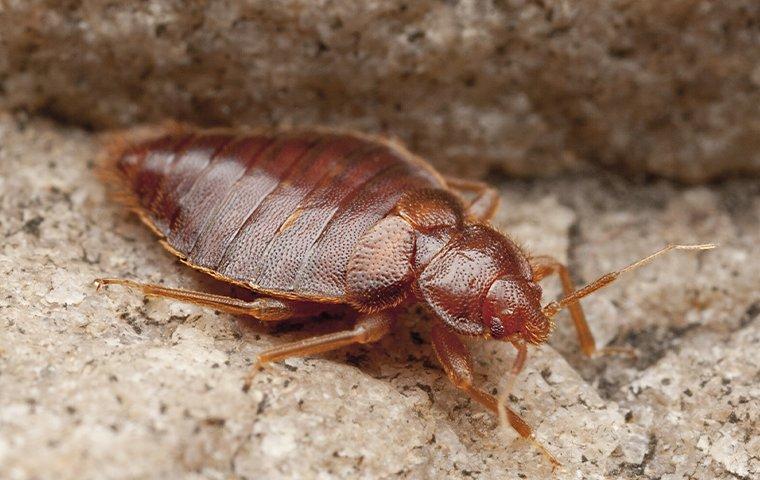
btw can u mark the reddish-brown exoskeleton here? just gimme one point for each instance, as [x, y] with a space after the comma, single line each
[309, 218]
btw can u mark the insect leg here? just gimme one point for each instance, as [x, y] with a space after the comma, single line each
[486, 201]
[544, 266]
[456, 361]
[265, 308]
[517, 366]
[369, 328]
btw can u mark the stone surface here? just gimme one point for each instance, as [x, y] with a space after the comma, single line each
[112, 385]
[648, 87]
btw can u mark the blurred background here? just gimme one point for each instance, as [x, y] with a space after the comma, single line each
[531, 87]
[609, 127]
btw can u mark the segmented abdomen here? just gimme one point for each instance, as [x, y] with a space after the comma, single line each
[279, 212]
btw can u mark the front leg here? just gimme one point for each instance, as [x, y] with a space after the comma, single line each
[456, 361]
[543, 266]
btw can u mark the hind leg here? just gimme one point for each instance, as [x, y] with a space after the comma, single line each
[264, 308]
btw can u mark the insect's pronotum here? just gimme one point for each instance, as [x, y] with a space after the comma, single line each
[312, 217]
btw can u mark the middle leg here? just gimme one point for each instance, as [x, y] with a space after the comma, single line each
[369, 328]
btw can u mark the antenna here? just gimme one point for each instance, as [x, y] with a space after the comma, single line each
[552, 308]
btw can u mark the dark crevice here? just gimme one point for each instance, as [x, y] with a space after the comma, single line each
[654, 342]
[638, 470]
[750, 315]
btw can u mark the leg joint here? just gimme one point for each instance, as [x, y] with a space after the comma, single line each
[372, 328]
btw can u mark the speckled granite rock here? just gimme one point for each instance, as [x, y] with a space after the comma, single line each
[663, 87]
[112, 385]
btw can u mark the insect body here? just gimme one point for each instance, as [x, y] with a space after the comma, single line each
[309, 218]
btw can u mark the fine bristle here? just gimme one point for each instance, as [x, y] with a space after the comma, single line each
[115, 143]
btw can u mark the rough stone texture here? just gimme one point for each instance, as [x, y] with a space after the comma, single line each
[111, 385]
[664, 87]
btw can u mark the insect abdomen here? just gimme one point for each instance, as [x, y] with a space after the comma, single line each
[280, 212]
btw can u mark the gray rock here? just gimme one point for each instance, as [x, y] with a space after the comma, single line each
[112, 385]
[669, 88]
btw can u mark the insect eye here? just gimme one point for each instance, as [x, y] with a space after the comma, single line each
[497, 328]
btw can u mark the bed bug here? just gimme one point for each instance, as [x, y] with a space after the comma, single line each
[309, 218]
